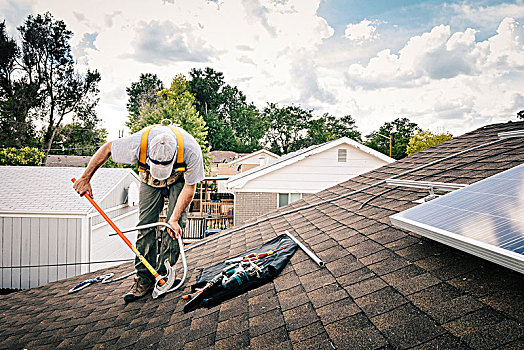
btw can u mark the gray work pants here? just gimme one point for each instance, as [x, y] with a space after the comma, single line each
[150, 206]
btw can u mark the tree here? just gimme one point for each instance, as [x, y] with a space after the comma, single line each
[177, 105]
[47, 63]
[287, 127]
[328, 128]
[17, 96]
[205, 86]
[425, 139]
[520, 115]
[78, 138]
[141, 94]
[234, 124]
[401, 129]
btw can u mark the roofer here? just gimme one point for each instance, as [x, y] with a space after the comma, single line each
[170, 165]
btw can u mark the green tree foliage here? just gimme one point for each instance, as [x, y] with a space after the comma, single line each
[287, 128]
[141, 94]
[402, 130]
[177, 105]
[234, 124]
[425, 139]
[17, 96]
[328, 128]
[520, 115]
[290, 128]
[78, 138]
[21, 156]
[39, 82]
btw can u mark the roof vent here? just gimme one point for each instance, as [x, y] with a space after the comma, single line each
[510, 134]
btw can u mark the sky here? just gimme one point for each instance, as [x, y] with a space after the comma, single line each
[450, 66]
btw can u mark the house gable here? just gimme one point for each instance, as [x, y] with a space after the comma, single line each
[312, 171]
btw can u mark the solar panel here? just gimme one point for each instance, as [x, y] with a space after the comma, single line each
[485, 219]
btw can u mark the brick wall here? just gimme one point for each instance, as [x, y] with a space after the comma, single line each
[253, 204]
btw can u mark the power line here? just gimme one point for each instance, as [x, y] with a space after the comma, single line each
[65, 264]
[30, 124]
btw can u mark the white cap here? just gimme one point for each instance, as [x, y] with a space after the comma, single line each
[162, 151]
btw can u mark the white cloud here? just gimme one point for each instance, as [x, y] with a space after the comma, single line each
[441, 55]
[443, 79]
[282, 51]
[470, 13]
[361, 32]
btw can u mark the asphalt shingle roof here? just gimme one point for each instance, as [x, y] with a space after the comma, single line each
[28, 189]
[382, 287]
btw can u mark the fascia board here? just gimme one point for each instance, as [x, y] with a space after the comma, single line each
[70, 215]
[368, 150]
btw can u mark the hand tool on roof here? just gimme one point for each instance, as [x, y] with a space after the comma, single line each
[163, 284]
[236, 272]
[103, 278]
[254, 256]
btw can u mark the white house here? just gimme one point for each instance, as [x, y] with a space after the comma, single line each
[48, 232]
[286, 179]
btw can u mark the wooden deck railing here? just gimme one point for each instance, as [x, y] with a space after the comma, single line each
[201, 227]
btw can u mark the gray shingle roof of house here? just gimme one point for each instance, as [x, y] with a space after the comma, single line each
[382, 287]
[28, 189]
[58, 160]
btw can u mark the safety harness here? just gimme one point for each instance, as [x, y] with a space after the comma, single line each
[179, 165]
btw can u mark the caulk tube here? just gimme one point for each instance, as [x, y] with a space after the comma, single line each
[306, 250]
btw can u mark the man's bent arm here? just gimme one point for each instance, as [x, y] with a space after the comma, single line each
[82, 185]
[184, 199]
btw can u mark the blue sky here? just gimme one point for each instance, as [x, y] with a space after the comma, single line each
[448, 66]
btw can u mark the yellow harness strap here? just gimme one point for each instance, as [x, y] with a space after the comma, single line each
[179, 163]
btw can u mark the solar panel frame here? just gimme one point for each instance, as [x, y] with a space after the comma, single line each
[483, 206]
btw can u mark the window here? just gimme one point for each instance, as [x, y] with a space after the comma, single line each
[342, 155]
[287, 198]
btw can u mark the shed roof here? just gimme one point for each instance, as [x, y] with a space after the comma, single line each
[59, 160]
[293, 157]
[224, 156]
[48, 190]
[382, 287]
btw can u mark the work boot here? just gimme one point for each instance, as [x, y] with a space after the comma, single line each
[138, 290]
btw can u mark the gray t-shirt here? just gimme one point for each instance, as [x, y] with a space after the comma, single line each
[127, 151]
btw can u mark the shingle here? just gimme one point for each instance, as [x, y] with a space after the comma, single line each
[337, 310]
[367, 286]
[265, 322]
[380, 301]
[413, 332]
[278, 338]
[292, 297]
[300, 316]
[307, 332]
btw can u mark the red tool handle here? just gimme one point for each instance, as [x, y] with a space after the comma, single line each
[117, 230]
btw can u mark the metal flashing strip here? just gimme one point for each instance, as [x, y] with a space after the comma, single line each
[427, 185]
[485, 219]
[509, 134]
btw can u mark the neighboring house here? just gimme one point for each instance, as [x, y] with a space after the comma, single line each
[226, 163]
[67, 161]
[253, 160]
[381, 288]
[307, 171]
[48, 232]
